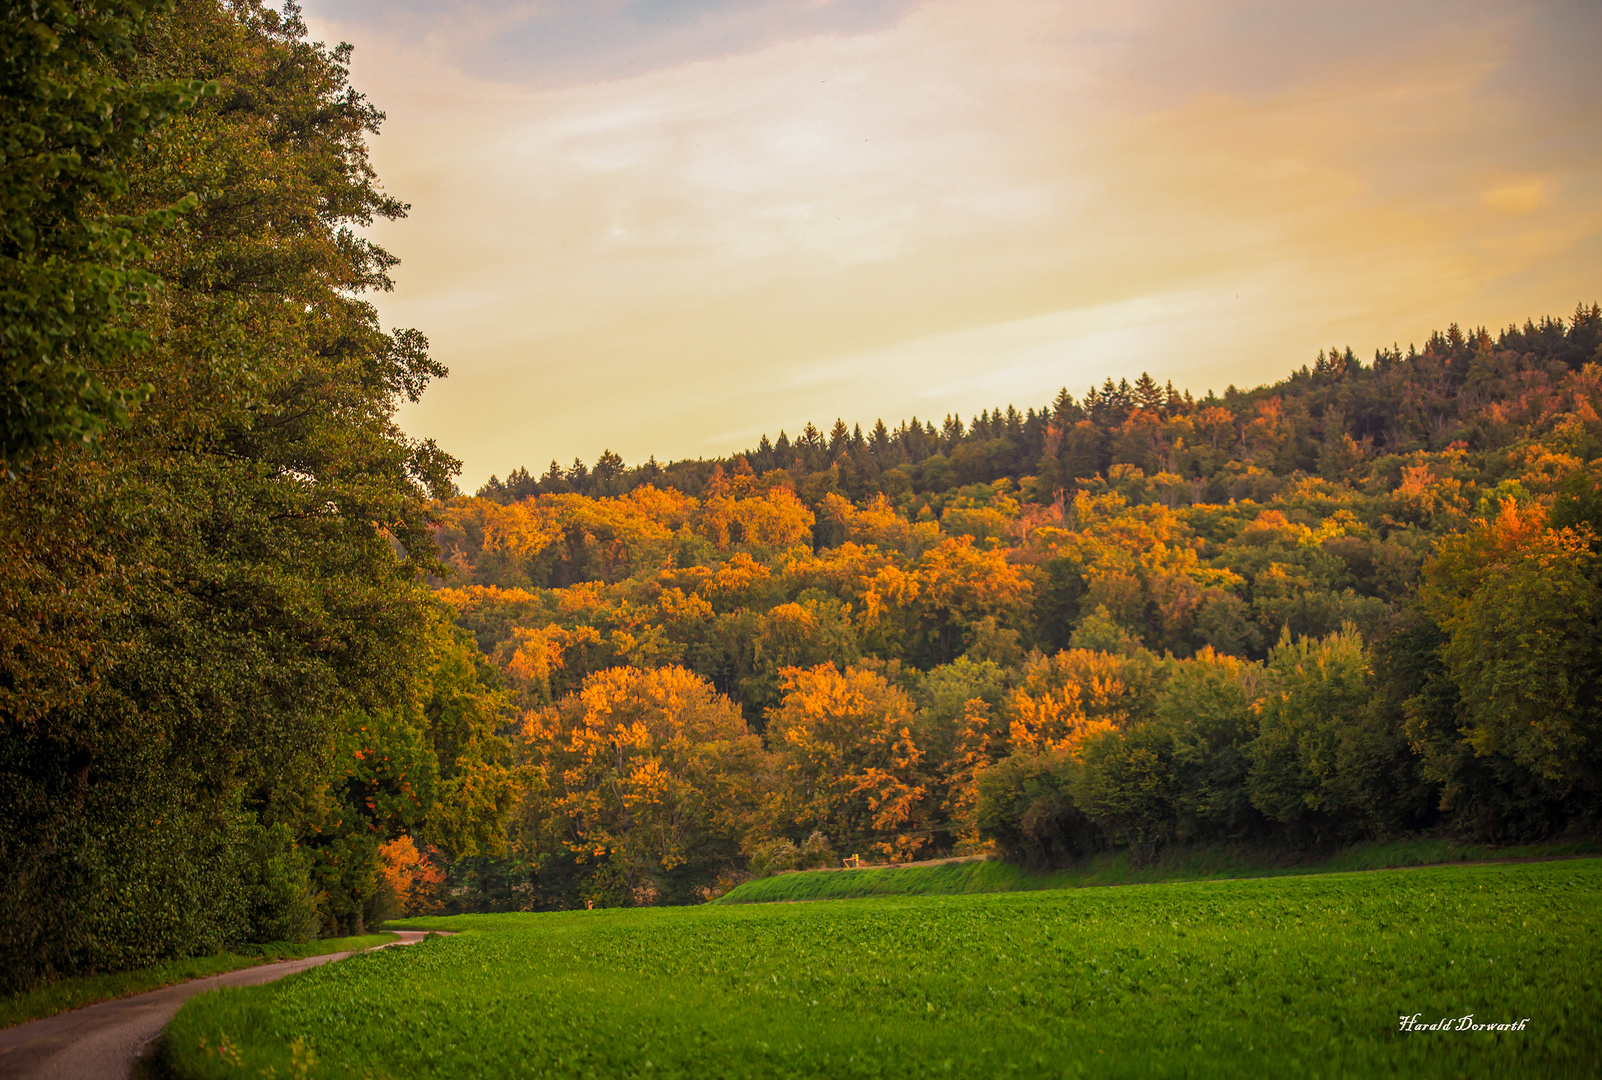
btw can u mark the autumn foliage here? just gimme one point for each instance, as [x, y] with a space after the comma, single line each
[1188, 622]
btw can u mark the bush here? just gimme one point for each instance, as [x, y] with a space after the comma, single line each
[777, 856]
[1128, 787]
[277, 899]
[1026, 806]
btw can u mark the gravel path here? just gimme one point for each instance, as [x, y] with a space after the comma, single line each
[100, 1042]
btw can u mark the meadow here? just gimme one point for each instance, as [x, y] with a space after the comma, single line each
[1289, 976]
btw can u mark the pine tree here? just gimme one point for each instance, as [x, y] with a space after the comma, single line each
[520, 485]
[1063, 409]
[839, 438]
[1147, 394]
[608, 474]
[554, 482]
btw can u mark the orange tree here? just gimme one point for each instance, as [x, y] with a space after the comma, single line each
[958, 584]
[645, 777]
[846, 762]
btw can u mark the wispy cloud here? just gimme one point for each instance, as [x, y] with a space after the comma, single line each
[895, 208]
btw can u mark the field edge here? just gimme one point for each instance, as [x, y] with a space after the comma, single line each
[1208, 863]
[81, 991]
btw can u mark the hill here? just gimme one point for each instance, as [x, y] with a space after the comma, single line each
[1359, 604]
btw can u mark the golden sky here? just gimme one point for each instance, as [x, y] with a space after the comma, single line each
[668, 226]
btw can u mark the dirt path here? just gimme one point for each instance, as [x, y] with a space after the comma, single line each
[100, 1042]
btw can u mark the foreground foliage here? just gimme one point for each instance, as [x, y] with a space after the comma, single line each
[223, 685]
[1297, 977]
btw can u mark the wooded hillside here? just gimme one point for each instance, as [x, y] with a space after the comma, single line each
[1360, 602]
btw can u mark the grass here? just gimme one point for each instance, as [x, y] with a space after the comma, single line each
[1175, 864]
[67, 994]
[1284, 976]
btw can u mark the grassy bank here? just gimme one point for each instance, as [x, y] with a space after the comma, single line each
[1116, 868]
[1278, 977]
[66, 994]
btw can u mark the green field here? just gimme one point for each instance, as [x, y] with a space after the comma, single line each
[66, 994]
[1116, 868]
[1289, 976]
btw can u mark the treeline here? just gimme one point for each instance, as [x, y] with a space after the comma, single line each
[230, 710]
[1248, 626]
[1321, 420]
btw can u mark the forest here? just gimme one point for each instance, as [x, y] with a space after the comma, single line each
[266, 674]
[1359, 603]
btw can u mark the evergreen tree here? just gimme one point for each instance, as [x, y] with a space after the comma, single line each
[839, 438]
[607, 477]
[554, 482]
[1147, 394]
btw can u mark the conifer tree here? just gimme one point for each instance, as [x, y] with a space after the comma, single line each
[1147, 394]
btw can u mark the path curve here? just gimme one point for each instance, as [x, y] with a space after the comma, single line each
[101, 1041]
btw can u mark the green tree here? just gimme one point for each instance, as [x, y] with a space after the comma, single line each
[241, 564]
[1318, 694]
[1026, 806]
[71, 120]
[1520, 604]
[1129, 787]
[1209, 708]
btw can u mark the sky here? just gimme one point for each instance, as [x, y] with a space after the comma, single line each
[666, 227]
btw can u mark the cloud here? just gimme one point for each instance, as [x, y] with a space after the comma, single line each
[554, 43]
[960, 204]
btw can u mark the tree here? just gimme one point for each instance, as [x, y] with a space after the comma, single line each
[1317, 696]
[607, 476]
[1129, 787]
[1209, 708]
[1148, 395]
[846, 761]
[1065, 698]
[958, 585]
[70, 125]
[1025, 805]
[649, 773]
[1520, 604]
[260, 528]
